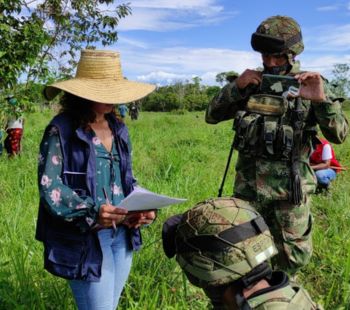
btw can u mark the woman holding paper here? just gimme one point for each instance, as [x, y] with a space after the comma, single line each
[84, 173]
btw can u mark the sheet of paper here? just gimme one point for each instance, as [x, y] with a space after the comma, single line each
[142, 199]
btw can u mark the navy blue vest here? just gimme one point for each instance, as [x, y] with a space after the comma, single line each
[69, 252]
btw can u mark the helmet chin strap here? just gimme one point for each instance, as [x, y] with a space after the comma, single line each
[284, 69]
[278, 70]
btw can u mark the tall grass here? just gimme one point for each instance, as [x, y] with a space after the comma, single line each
[177, 155]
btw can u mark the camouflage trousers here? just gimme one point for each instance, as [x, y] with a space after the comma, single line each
[291, 227]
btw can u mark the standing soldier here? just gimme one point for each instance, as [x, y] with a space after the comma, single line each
[273, 125]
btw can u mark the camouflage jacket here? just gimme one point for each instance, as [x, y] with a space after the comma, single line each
[262, 179]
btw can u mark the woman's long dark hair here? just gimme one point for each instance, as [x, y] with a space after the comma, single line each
[79, 109]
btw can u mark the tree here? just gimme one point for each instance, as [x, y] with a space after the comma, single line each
[341, 81]
[22, 39]
[196, 102]
[212, 91]
[224, 77]
[49, 35]
[180, 96]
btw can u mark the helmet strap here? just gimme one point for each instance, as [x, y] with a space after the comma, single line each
[278, 280]
[261, 271]
[291, 58]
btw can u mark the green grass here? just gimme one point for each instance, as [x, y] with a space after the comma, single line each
[177, 155]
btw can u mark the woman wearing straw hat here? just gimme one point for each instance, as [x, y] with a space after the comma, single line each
[84, 172]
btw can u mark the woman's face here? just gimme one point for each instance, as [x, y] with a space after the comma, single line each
[102, 108]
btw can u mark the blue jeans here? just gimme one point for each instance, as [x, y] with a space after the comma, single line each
[325, 176]
[116, 264]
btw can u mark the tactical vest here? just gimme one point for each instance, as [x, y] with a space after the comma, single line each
[286, 298]
[265, 128]
[271, 127]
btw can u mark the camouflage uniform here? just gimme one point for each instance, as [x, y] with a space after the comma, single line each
[267, 179]
[288, 297]
[222, 245]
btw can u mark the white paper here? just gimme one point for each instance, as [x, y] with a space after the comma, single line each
[142, 199]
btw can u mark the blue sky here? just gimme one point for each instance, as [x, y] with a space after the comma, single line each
[164, 40]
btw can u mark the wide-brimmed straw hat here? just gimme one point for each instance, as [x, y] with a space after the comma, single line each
[99, 78]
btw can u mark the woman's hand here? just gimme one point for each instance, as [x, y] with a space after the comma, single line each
[109, 214]
[136, 219]
[311, 86]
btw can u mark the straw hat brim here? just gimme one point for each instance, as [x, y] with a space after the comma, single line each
[100, 90]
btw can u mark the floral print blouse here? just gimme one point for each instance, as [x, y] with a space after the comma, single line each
[61, 200]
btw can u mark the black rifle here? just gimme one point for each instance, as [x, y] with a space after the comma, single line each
[227, 166]
[297, 120]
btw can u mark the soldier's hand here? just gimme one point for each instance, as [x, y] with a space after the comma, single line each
[248, 77]
[311, 86]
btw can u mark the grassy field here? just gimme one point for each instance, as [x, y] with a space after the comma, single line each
[177, 155]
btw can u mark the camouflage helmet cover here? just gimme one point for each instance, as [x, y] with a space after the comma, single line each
[278, 35]
[221, 240]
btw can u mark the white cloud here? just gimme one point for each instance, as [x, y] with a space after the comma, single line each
[169, 65]
[131, 42]
[203, 5]
[161, 77]
[329, 38]
[335, 6]
[323, 64]
[208, 78]
[166, 78]
[206, 59]
[151, 20]
[328, 8]
[181, 63]
[160, 16]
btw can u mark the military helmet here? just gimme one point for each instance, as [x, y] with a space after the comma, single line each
[278, 35]
[221, 240]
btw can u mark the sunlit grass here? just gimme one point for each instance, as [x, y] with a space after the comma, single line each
[177, 155]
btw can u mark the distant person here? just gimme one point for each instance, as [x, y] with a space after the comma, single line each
[123, 110]
[84, 172]
[133, 111]
[14, 128]
[223, 246]
[324, 162]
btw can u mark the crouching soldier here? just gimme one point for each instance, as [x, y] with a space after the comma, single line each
[223, 246]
